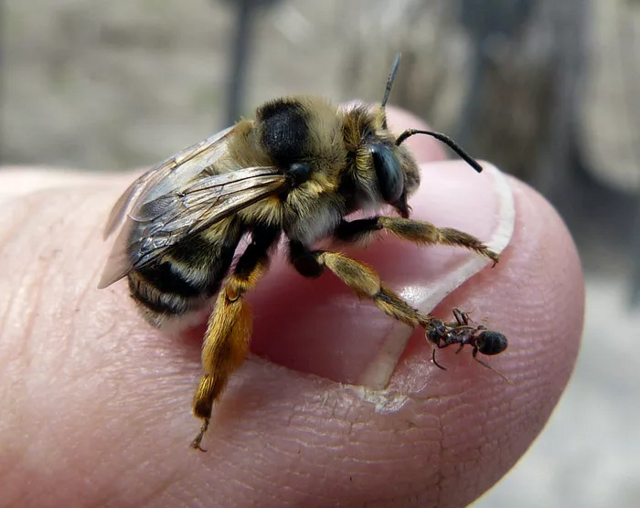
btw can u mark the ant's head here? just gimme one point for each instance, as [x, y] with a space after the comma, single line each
[436, 331]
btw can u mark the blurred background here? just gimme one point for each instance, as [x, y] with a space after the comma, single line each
[549, 90]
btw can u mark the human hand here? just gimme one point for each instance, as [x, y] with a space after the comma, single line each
[96, 404]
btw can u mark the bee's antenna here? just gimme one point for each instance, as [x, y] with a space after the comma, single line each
[444, 139]
[392, 76]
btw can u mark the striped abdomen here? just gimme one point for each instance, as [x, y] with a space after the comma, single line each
[188, 275]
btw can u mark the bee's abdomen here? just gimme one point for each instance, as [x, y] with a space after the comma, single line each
[183, 279]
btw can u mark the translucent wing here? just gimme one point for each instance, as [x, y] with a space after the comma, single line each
[179, 169]
[177, 199]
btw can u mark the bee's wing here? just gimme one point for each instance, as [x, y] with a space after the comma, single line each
[167, 176]
[169, 203]
[162, 222]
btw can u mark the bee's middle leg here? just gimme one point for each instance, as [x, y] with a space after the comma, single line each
[226, 340]
[362, 279]
[416, 231]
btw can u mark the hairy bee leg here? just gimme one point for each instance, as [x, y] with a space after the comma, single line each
[416, 231]
[363, 280]
[226, 340]
[224, 349]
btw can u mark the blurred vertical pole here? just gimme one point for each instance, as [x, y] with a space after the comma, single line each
[239, 57]
[569, 20]
[2, 41]
[485, 22]
[630, 38]
[635, 258]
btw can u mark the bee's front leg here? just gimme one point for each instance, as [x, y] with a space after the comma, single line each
[416, 231]
[226, 340]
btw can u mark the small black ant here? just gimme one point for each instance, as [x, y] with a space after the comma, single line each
[444, 334]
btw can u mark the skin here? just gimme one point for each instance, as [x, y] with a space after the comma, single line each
[96, 404]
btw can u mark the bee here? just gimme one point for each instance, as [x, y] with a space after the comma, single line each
[296, 170]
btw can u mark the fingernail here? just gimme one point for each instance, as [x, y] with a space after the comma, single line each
[320, 327]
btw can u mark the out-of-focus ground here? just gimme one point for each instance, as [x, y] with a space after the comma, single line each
[112, 86]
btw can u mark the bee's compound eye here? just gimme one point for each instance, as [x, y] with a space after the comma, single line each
[388, 171]
[298, 172]
[491, 343]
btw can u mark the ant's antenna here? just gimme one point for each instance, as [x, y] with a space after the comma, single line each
[392, 76]
[435, 362]
[447, 141]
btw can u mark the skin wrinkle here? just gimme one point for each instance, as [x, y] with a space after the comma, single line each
[5, 318]
[87, 287]
[249, 489]
[292, 475]
[165, 485]
[26, 345]
[47, 278]
[16, 225]
[106, 459]
[11, 297]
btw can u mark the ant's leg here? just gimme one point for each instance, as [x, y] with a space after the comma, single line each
[433, 359]
[484, 364]
[461, 317]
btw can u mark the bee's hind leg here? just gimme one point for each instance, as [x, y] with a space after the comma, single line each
[226, 340]
[416, 231]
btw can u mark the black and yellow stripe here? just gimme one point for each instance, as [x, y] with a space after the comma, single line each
[183, 279]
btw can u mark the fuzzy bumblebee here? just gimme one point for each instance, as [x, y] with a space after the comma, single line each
[296, 170]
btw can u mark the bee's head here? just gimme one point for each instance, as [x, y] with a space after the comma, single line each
[390, 172]
[395, 171]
